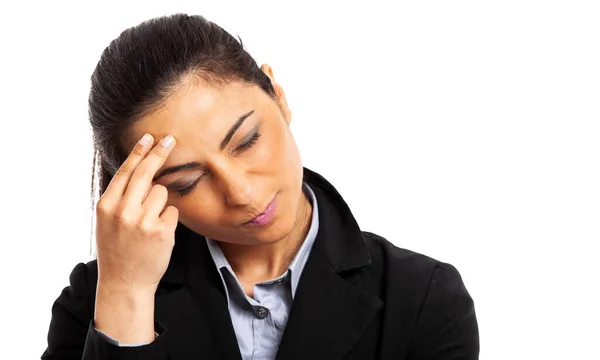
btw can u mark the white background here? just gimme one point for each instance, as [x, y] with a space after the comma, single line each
[465, 130]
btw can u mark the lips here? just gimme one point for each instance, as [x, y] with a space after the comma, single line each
[266, 216]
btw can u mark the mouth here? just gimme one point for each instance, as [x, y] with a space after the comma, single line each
[266, 216]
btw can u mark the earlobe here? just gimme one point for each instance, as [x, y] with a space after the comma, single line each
[279, 93]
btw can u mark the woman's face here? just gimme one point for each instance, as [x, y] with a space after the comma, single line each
[236, 155]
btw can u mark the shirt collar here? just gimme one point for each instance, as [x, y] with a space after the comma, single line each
[297, 265]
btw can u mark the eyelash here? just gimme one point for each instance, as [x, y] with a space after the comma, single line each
[248, 144]
[188, 189]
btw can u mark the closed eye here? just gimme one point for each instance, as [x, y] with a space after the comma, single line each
[189, 188]
[248, 144]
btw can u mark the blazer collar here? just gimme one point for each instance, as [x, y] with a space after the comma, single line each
[341, 241]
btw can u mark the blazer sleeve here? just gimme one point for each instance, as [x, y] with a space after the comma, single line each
[72, 335]
[446, 325]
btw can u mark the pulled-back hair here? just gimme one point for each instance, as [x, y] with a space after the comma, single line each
[146, 64]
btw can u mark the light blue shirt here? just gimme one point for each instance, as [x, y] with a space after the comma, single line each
[259, 322]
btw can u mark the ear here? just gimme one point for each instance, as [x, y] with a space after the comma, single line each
[279, 93]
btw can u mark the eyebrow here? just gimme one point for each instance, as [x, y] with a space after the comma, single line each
[195, 164]
[233, 129]
[174, 169]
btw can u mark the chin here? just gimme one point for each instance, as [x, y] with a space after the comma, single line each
[278, 230]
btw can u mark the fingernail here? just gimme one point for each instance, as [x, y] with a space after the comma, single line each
[167, 141]
[145, 140]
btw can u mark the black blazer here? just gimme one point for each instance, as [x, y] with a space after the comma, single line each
[359, 298]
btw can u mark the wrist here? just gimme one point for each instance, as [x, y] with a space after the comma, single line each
[124, 298]
[127, 316]
[124, 289]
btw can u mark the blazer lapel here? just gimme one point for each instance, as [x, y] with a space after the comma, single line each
[192, 296]
[329, 314]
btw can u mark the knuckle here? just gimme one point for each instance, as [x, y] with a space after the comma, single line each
[123, 170]
[123, 216]
[102, 207]
[137, 150]
[147, 226]
[160, 151]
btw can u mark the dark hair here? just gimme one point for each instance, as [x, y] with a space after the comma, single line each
[141, 68]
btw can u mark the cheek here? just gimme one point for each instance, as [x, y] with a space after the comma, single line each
[285, 165]
[198, 208]
[279, 149]
[272, 145]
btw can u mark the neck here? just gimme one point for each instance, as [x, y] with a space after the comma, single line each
[264, 262]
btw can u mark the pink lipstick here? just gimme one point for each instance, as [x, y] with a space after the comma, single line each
[265, 217]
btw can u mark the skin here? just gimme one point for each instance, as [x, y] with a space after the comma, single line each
[235, 183]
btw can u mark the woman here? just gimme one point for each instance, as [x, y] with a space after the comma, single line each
[191, 138]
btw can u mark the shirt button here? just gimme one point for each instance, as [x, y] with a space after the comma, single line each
[278, 281]
[261, 312]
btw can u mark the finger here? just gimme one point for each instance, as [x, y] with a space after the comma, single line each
[117, 186]
[170, 216]
[141, 179]
[155, 202]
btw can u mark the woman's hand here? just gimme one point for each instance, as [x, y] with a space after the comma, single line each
[135, 235]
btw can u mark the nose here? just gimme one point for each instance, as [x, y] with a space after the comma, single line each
[236, 187]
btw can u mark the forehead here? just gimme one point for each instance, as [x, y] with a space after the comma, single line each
[199, 108]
